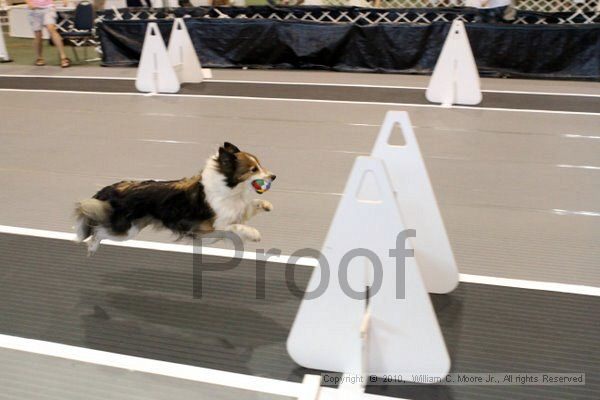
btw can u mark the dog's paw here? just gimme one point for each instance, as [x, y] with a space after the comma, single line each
[252, 234]
[92, 245]
[247, 233]
[263, 205]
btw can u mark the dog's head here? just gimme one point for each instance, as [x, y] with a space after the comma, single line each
[241, 168]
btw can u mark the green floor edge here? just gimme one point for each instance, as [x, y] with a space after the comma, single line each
[21, 52]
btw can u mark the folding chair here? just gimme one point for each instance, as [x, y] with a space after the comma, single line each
[83, 25]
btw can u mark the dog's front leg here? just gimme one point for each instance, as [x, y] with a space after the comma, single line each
[244, 231]
[256, 206]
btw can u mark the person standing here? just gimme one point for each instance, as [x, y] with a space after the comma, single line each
[491, 11]
[43, 14]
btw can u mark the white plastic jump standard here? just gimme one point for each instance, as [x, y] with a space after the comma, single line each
[329, 331]
[417, 203]
[455, 79]
[155, 73]
[4, 57]
[311, 387]
[183, 55]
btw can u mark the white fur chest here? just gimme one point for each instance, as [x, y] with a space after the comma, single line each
[229, 204]
[229, 210]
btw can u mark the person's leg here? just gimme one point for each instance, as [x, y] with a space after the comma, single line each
[37, 44]
[36, 20]
[500, 11]
[57, 40]
[486, 15]
[50, 23]
[493, 15]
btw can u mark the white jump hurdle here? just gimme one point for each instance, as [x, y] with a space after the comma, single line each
[393, 330]
[163, 70]
[455, 79]
[417, 203]
[155, 73]
[4, 57]
[183, 55]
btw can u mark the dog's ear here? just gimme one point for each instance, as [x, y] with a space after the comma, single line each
[227, 159]
[232, 148]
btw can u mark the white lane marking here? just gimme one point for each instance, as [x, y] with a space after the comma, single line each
[172, 247]
[167, 141]
[311, 262]
[66, 77]
[150, 366]
[558, 211]
[574, 136]
[591, 167]
[178, 371]
[309, 84]
[399, 87]
[533, 285]
[543, 93]
[203, 96]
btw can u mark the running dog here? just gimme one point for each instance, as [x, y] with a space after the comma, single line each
[219, 198]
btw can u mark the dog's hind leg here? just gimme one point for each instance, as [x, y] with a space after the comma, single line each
[83, 228]
[89, 213]
[93, 243]
[101, 233]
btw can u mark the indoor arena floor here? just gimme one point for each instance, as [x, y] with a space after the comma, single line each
[516, 178]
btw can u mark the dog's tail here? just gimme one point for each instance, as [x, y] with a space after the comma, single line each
[89, 213]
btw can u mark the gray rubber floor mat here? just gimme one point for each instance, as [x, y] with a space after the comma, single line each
[140, 302]
[39, 377]
[317, 92]
[509, 184]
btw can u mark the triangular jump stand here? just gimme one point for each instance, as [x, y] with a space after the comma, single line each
[417, 203]
[455, 79]
[393, 329]
[183, 55]
[155, 73]
[4, 57]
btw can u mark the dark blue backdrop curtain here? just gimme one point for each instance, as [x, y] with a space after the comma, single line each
[541, 51]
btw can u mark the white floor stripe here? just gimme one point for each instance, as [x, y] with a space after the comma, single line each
[172, 247]
[399, 87]
[201, 96]
[542, 93]
[66, 77]
[307, 84]
[533, 285]
[180, 371]
[284, 259]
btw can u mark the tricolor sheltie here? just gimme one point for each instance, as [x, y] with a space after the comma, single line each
[219, 198]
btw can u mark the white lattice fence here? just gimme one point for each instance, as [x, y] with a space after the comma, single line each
[559, 5]
[531, 5]
[362, 16]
